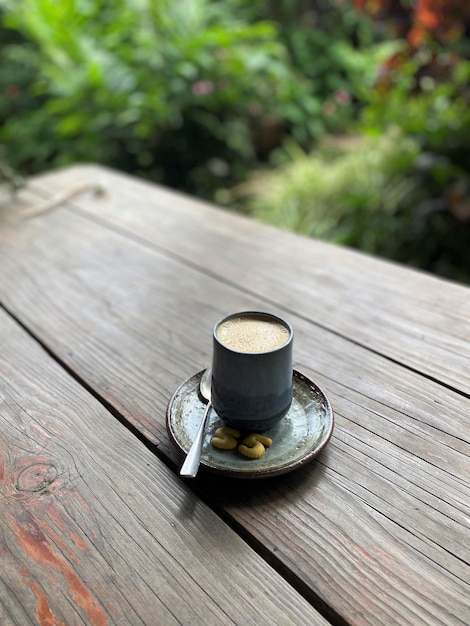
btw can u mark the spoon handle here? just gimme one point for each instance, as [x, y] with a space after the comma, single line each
[191, 463]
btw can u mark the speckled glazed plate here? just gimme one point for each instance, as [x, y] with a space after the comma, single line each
[297, 438]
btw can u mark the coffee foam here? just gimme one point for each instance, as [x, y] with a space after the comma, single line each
[252, 334]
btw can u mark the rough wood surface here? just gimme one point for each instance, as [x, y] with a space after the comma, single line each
[94, 529]
[387, 503]
[413, 318]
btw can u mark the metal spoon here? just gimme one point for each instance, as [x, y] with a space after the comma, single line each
[191, 463]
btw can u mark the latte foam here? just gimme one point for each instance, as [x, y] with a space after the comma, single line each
[252, 334]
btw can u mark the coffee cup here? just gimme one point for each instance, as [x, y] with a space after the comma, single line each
[252, 369]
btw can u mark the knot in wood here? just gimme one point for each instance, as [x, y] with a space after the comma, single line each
[36, 477]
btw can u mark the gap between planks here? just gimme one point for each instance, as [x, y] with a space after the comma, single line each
[292, 579]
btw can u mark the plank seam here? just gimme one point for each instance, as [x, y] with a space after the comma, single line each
[292, 579]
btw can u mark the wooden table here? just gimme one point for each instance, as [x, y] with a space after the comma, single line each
[108, 305]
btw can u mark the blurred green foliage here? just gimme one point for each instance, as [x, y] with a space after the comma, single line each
[336, 192]
[406, 198]
[370, 193]
[436, 113]
[151, 86]
[199, 94]
[187, 92]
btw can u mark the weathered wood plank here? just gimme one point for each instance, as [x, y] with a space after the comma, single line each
[413, 318]
[133, 322]
[94, 529]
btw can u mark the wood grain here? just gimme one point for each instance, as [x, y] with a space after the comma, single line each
[96, 530]
[387, 504]
[413, 318]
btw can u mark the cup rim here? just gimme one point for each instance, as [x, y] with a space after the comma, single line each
[264, 314]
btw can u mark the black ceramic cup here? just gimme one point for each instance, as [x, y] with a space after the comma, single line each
[252, 369]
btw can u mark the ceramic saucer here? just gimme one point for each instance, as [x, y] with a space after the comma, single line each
[297, 438]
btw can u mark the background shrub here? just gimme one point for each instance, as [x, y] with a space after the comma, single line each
[203, 94]
[191, 93]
